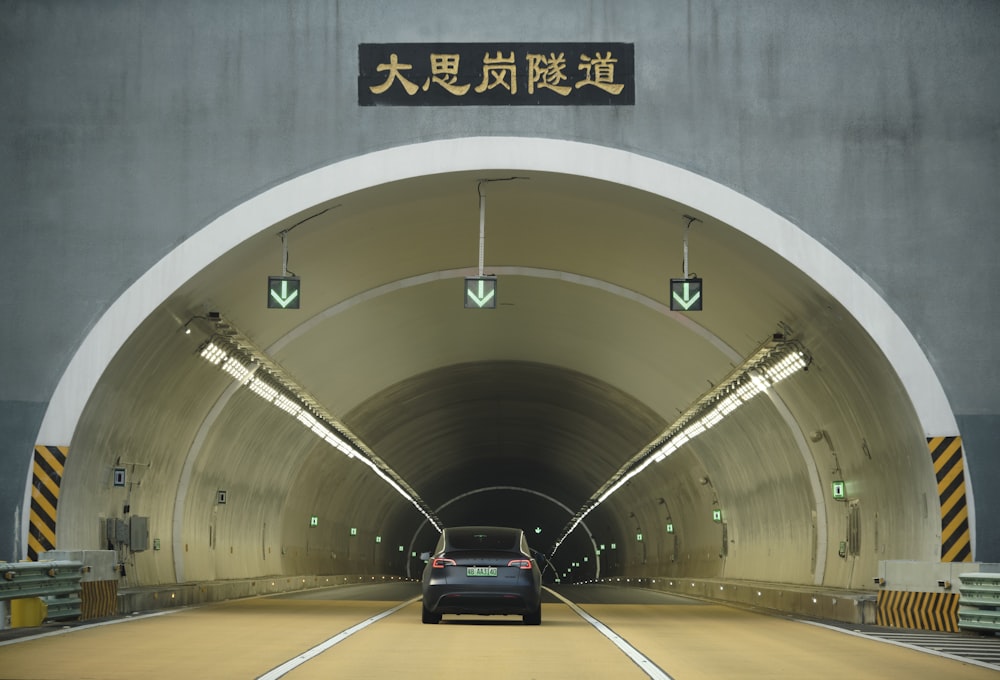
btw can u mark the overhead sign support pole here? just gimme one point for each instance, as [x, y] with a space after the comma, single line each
[686, 230]
[482, 226]
[284, 252]
[480, 291]
[685, 293]
[283, 291]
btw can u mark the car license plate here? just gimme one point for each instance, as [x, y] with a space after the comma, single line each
[480, 571]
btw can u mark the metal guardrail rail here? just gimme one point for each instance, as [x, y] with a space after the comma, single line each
[57, 583]
[979, 603]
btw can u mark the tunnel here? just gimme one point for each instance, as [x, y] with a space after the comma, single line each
[523, 414]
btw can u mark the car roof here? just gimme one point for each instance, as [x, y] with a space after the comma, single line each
[473, 537]
[489, 529]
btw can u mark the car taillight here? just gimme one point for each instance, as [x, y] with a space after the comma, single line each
[521, 564]
[442, 562]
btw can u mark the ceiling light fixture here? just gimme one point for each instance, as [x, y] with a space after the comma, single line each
[775, 360]
[249, 367]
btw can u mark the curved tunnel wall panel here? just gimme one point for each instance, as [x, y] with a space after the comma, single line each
[343, 495]
[252, 452]
[762, 479]
[698, 536]
[142, 416]
[764, 492]
[870, 430]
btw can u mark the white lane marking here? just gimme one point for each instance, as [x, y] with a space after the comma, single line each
[647, 666]
[292, 664]
[87, 626]
[889, 641]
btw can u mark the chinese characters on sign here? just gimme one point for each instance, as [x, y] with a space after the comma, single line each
[496, 74]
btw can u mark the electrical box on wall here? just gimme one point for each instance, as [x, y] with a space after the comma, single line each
[132, 533]
[116, 532]
[138, 533]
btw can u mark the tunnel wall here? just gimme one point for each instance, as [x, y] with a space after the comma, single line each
[274, 474]
[131, 127]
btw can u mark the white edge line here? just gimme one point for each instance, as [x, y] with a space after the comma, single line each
[73, 629]
[305, 656]
[916, 648]
[647, 666]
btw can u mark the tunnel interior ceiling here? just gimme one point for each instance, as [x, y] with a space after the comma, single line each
[580, 365]
[506, 423]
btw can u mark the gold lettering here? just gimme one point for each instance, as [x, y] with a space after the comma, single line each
[444, 72]
[547, 72]
[394, 68]
[502, 70]
[600, 72]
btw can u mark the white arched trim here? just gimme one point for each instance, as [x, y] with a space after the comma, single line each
[487, 153]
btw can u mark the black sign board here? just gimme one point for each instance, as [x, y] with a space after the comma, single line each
[283, 292]
[685, 295]
[480, 292]
[496, 74]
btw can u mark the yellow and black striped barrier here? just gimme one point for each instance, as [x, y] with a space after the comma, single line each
[956, 538]
[99, 599]
[46, 480]
[923, 611]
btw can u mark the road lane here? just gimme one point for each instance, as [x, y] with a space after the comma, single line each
[713, 641]
[687, 639]
[481, 647]
[238, 639]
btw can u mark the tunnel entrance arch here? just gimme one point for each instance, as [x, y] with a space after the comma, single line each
[486, 153]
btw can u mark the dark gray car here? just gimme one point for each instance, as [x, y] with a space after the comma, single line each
[482, 570]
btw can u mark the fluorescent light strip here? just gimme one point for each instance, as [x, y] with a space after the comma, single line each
[267, 392]
[216, 353]
[284, 403]
[213, 353]
[237, 370]
[773, 362]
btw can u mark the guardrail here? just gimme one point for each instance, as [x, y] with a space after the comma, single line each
[57, 583]
[979, 604]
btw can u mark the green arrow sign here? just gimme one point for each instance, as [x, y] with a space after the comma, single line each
[685, 295]
[480, 292]
[283, 292]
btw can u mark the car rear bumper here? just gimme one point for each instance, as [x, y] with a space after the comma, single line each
[472, 599]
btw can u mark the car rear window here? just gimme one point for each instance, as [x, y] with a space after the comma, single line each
[483, 538]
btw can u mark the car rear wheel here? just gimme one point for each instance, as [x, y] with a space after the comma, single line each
[429, 617]
[534, 618]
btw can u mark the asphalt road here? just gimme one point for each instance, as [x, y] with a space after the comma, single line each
[374, 631]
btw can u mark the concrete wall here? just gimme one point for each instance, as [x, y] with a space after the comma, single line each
[128, 127]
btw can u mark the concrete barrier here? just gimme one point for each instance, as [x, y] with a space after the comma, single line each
[152, 598]
[848, 606]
